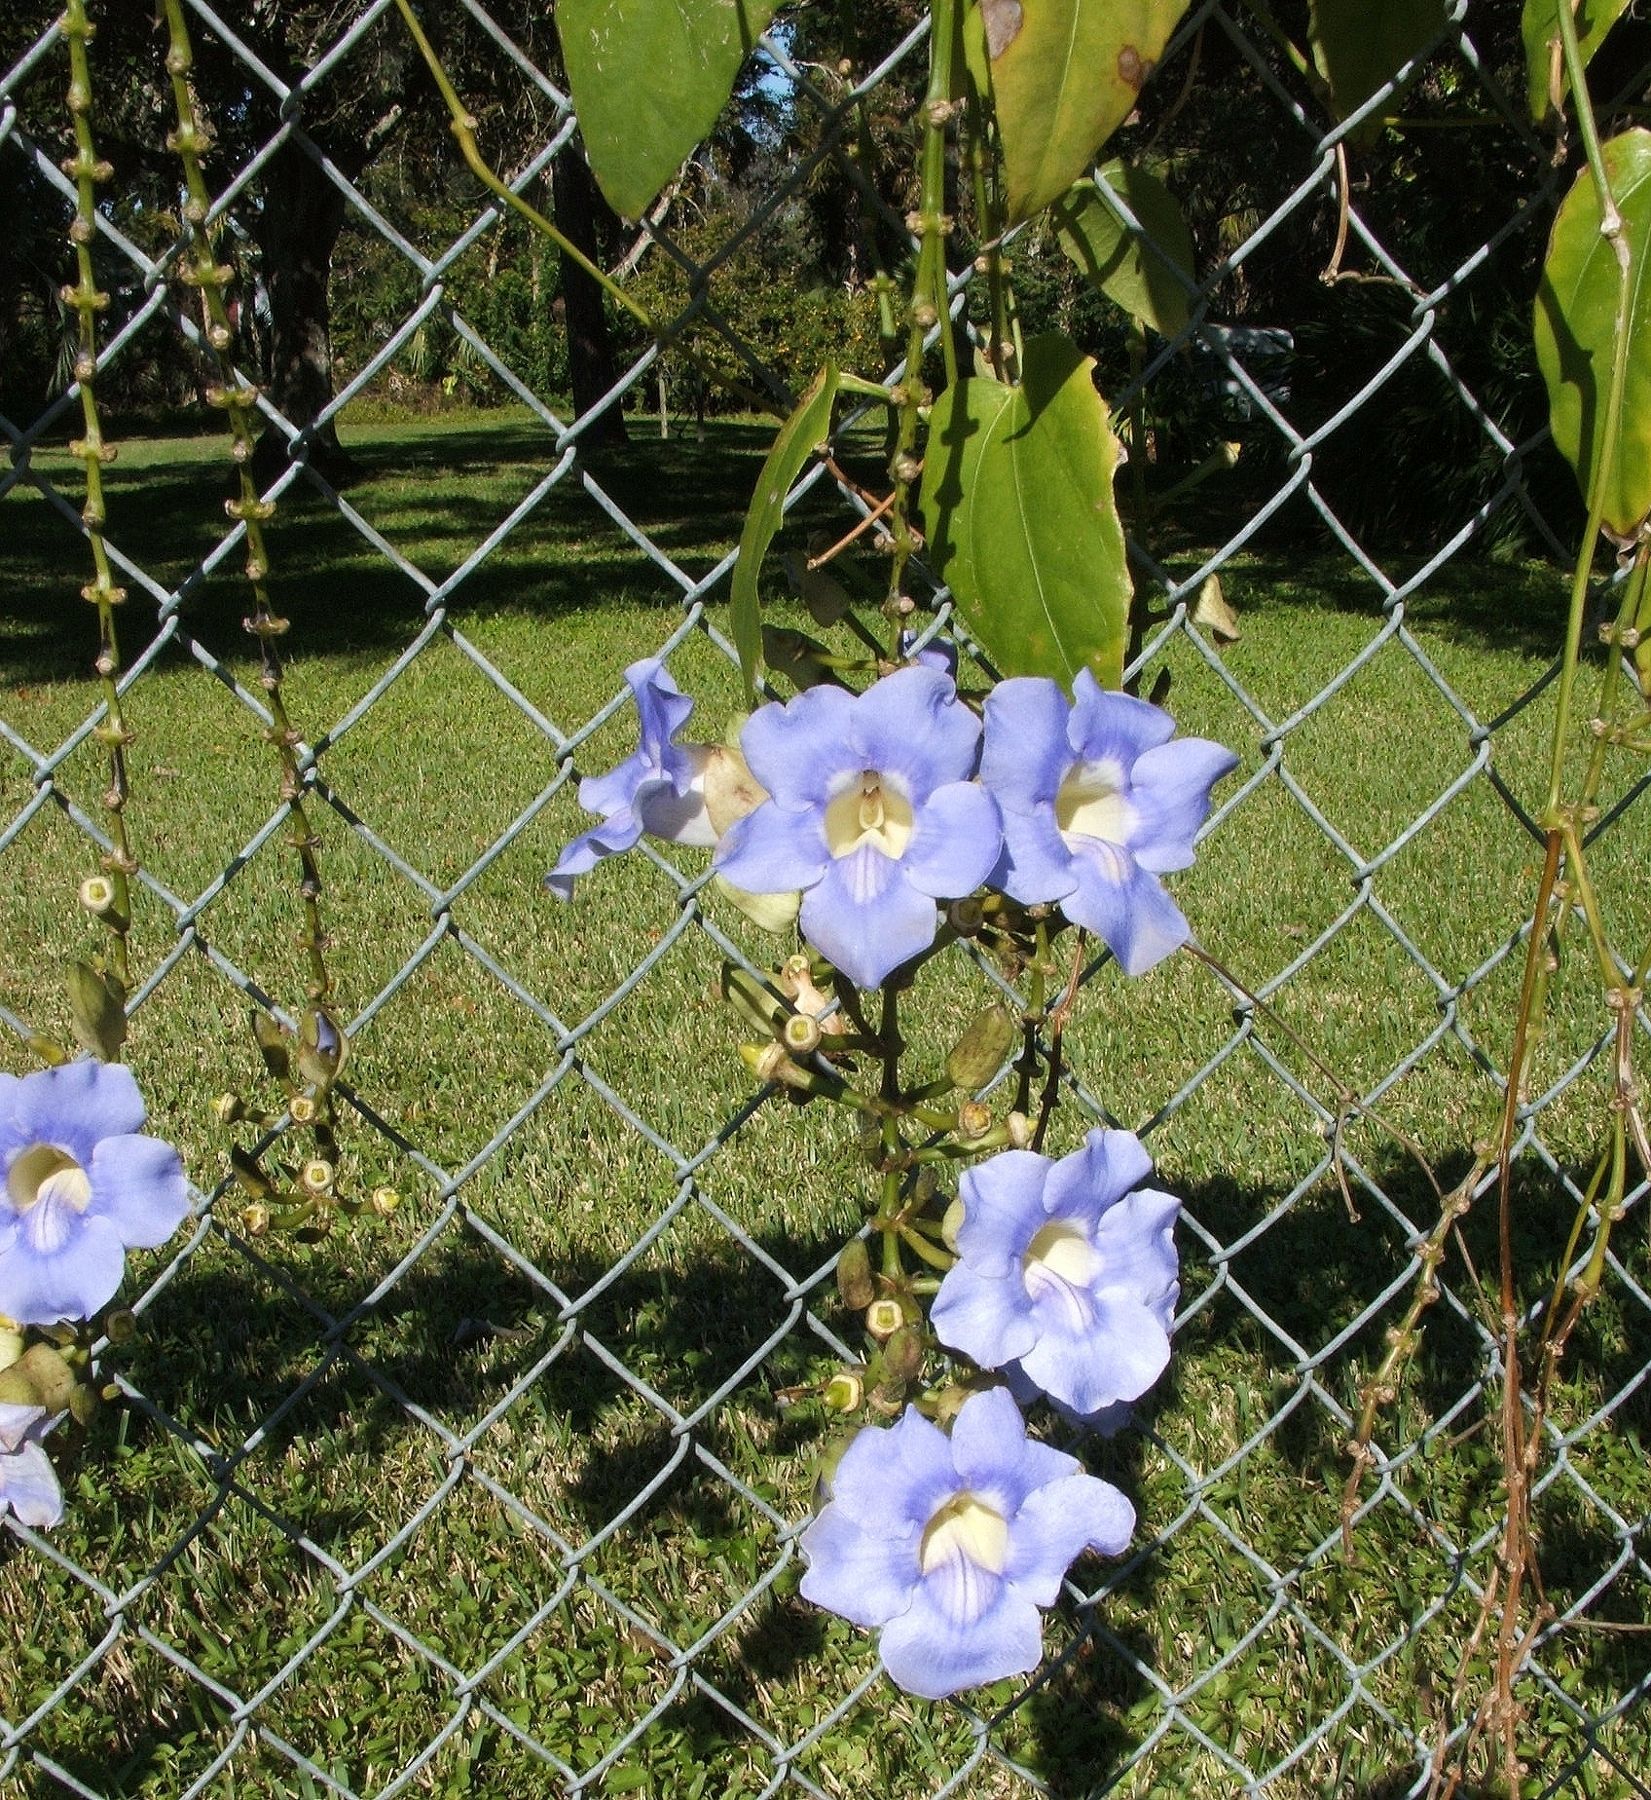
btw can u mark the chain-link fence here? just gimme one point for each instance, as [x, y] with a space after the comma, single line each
[502, 1495]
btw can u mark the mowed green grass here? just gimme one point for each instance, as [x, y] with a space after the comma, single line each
[455, 1457]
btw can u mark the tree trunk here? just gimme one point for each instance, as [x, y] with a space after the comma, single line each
[302, 217]
[592, 367]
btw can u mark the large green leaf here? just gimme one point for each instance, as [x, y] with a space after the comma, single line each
[1017, 497]
[1133, 272]
[1576, 308]
[1065, 76]
[1540, 28]
[1360, 45]
[809, 425]
[649, 78]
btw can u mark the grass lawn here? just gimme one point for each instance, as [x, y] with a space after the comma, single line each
[466, 1512]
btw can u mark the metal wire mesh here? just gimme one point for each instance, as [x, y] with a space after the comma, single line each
[598, 1475]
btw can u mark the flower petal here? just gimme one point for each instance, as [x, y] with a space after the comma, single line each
[1036, 864]
[1125, 906]
[29, 1487]
[1120, 1351]
[1170, 791]
[1096, 1176]
[612, 794]
[895, 1478]
[1003, 1209]
[995, 1457]
[138, 1185]
[864, 916]
[775, 849]
[956, 844]
[986, 1320]
[71, 1283]
[1136, 1242]
[1060, 1520]
[930, 1652]
[1026, 752]
[866, 1574]
[913, 725]
[796, 750]
[72, 1106]
[662, 709]
[18, 1421]
[1107, 724]
[614, 835]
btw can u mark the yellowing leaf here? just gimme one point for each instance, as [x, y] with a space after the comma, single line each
[1135, 272]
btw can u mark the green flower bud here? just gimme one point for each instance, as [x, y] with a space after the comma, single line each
[97, 895]
[751, 999]
[902, 1359]
[39, 1377]
[978, 1055]
[303, 1109]
[966, 916]
[317, 1176]
[801, 1034]
[854, 1280]
[121, 1325]
[384, 1201]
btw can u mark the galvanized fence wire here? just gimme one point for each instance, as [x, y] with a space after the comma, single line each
[1173, 1720]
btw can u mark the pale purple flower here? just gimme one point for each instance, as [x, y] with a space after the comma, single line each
[1067, 1275]
[28, 1485]
[951, 1545]
[1099, 799]
[659, 788]
[872, 816]
[81, 1187]
[934, 653]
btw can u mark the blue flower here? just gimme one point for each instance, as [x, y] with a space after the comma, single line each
[80, 1188]
[1097, 804]
[659, 788]
[938, 653]
[872, 816]
[1066, 1275]
[28, 1487]
[951, 1545]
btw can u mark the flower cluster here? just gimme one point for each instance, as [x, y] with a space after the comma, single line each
[81, 1185]
[876, 806]
[872, 811]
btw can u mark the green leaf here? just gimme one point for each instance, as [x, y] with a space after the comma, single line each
[1546, 84]
[1017, 494]
[1360, 45]
[649, 78]
[1576, 307]
[96, 1011]
[1135, 272]
[809, 425]
[1065, 76]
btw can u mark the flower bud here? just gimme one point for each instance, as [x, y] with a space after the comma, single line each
[229, 1108]
[121, 1325]
[731, 790]
[1019, 1128]
[845, 1391]
[11, 1343]
[801, 1035]
[39, 1377]
[902, 1359]
[951, 1224]
[884, 1318]
[302, 1108]
[854, 1281]
[966, 917]
[751, 999]
[973, 1120]
[255, 1219]
[384, 1201]
[978, 1055]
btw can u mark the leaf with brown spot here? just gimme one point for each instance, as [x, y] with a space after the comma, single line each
[1065, 76]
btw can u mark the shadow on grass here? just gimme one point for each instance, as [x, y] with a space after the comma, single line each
[462, 1328]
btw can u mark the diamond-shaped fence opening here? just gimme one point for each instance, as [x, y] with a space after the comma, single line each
[499, 1494]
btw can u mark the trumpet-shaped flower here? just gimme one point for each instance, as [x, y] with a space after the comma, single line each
[1067, 1275]
[951, 1545]
[28, 1485]
[872, 816]
[1098, 802]
[659, 788]
[81, 1187]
